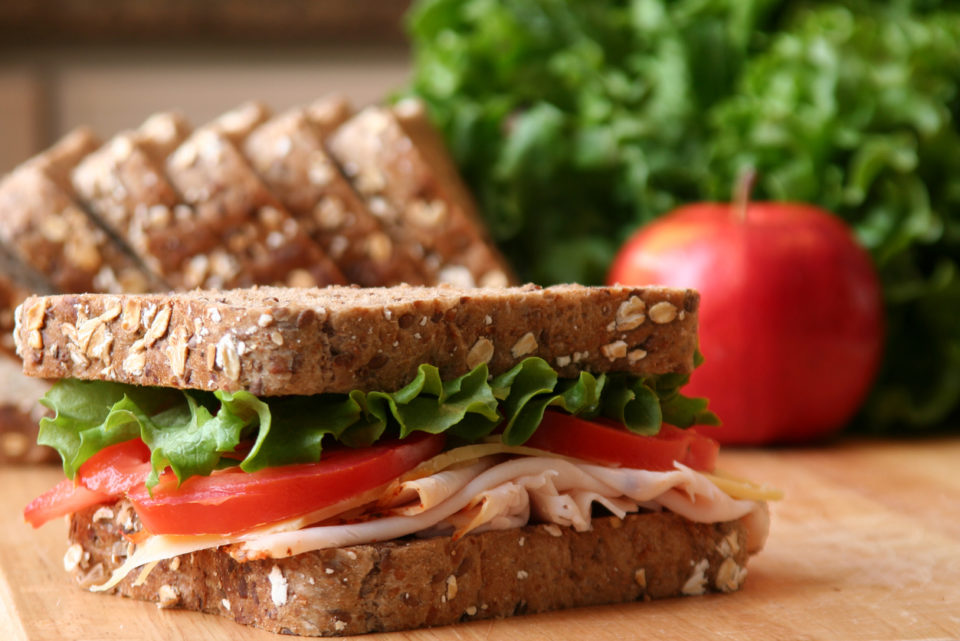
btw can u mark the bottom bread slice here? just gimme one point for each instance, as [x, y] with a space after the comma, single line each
[411, 583]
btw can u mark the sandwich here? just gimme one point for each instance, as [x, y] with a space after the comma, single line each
[345, 460]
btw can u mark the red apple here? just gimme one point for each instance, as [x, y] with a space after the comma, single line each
[791, 315]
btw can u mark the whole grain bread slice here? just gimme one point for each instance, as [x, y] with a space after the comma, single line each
[399, 165]
[259, 241]
[413, 583]
[288, 154]
[126, 188]
[41, 222]
[274, 341]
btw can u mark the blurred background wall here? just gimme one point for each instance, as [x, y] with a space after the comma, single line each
[109, 64]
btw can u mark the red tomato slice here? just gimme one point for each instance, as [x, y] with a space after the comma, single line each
[231, 500]
[64, 498]
[611, 444]
[104, 476]
[115, 469]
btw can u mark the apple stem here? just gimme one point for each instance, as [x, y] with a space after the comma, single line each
[745, 183]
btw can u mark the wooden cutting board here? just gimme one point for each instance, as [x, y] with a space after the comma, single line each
[865, 546]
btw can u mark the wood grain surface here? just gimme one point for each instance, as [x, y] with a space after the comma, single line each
[865, 546]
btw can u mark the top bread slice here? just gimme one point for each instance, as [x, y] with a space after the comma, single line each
[398, 163]
[41, 222]
[275, 341]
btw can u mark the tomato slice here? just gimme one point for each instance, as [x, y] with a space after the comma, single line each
[230, 501]
[605, 442]
[115, 469]
[103, 477]
[64, 498]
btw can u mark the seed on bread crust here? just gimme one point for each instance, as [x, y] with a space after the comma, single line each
[663, 312]
[614, 350]
[167, 596]
[730, 576]
[72, 557]
[136, 359]
[34, 318]
[158, 327]
[177, 350]
[631, 313]
[35, 340]
[526, 344]
[481, 352]
[228, 358]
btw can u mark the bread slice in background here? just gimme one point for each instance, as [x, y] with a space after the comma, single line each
[259, 241]
[44, 226]
[288, 154]
[127, 189]
[395, 160]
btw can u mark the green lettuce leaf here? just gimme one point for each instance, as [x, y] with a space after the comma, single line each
[531, 386]
[194, 433]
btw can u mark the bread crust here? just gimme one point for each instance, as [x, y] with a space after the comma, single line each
[274, 341]
[412, 583]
